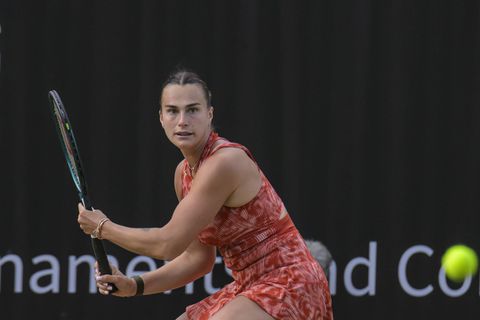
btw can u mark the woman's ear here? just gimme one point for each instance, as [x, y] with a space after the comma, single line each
[210, 113]
[160, 114]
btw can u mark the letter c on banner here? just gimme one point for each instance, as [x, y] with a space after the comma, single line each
[402, 271]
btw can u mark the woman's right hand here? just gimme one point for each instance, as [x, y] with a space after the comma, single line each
[126, 286]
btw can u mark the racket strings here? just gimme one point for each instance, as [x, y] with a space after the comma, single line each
[67, 139]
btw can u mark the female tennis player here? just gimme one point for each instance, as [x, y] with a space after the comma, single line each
[225, 202]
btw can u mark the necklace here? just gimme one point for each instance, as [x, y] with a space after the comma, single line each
[206, 147]
[192, 168]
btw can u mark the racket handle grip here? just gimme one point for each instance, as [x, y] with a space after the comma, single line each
[101, 256]
[97, 245]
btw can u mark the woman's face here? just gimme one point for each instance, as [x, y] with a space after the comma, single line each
[185, 115]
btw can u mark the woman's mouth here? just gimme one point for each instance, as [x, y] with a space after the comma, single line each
[183, 133]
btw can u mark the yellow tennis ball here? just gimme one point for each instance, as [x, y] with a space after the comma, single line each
[459, 262]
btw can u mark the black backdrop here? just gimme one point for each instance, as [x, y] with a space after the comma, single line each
[364, 115]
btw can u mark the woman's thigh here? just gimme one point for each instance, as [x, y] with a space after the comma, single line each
[183, 317]
[241, 308]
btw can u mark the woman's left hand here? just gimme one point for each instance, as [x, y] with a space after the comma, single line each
[88, 220]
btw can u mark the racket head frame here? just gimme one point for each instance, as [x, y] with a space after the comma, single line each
[69, 147]
[72, 156]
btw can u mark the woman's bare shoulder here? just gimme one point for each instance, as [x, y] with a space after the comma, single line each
[230, 163]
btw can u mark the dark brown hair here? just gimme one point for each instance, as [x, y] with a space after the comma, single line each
[184, 76]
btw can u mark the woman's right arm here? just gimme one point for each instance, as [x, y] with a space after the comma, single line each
[192, 264]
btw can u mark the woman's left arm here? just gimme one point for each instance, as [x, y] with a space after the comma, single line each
[213, 184]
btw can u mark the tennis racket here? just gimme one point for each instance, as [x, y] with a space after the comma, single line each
[70, 150]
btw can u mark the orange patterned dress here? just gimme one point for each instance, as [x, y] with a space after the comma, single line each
[270, 262]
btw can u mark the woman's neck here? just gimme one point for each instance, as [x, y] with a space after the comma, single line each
[193, 157]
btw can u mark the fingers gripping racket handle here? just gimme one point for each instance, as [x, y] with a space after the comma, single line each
[101, 256]
[97, 245]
